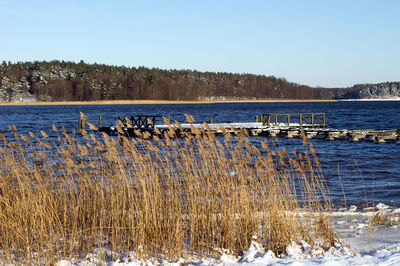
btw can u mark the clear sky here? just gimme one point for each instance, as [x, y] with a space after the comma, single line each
[329, 43]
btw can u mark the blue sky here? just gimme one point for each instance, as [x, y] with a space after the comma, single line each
[315, 42]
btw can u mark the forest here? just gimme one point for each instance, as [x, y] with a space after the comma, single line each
[70, 81]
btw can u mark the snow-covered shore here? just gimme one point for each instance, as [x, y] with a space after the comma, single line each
[361, 243]
[387, 255]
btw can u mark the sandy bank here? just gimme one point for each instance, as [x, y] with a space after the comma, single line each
[158, 102]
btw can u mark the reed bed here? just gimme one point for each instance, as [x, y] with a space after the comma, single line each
[159, 197]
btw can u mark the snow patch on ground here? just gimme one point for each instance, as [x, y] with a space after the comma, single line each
[360, 243]
[297, 255]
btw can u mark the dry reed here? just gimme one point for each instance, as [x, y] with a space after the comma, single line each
[66, 196]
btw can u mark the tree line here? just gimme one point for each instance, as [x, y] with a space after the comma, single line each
[70, 81]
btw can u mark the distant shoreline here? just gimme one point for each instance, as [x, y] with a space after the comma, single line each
[369, 100]
[120, 102]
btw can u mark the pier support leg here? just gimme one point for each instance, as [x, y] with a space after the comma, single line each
[309, 135]
[354, 137]
[292, 134]
[332, 135]
[273, 133]
[256, 132]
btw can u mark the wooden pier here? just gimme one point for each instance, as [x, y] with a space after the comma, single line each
[300, 125]
[313, 120]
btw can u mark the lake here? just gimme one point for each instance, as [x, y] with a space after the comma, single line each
[376, 179]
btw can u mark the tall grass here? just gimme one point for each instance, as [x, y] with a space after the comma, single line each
[159, 197]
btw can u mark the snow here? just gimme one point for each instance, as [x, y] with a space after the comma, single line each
[217, 126]
[339, 255]
[382, 206]
[359, 243]
[352, 208]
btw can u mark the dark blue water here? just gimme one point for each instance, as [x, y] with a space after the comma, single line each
[377, 177]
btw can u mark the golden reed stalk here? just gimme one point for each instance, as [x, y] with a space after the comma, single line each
[66, 196]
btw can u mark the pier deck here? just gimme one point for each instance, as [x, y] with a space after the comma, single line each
[306, 125]
[291, 131]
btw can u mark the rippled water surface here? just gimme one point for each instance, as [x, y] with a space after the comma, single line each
[377, 178]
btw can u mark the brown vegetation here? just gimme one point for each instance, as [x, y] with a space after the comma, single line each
[161, 197]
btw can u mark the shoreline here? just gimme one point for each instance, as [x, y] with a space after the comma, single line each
[121, 102]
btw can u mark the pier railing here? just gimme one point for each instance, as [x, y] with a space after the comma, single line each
[297, 119]
[142, 121]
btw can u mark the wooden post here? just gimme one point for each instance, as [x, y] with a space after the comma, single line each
[256, 118]
[312, 119]
[169, 119]
[301, 120]
[211, 120]
[81, 126]
[99, 121]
